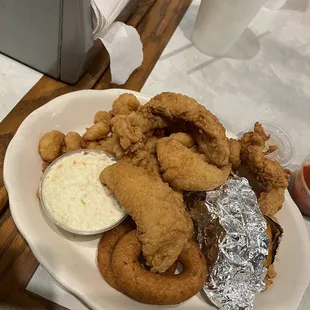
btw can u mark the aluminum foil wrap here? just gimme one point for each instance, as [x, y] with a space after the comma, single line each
[231, 232]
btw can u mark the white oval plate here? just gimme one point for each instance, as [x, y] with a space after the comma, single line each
[71, 259]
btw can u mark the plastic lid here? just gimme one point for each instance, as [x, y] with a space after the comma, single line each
[286, 149]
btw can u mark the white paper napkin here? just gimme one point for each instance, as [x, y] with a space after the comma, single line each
[44, 285]
[121, 41]
[105, 12]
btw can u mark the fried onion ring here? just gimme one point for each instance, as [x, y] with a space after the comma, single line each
[106, 247]
[209, 133]
[152, 288]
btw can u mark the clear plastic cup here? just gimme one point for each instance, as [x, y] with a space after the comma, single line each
[299, 189]
[285, 153]
[220, 23]
[55, 219]
[279, 137]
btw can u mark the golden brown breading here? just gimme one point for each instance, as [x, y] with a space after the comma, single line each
[209, 132]
[98, 131]
[125, 104]
[103, 116]
[128, 129]
[145, 156]
[164, 225]
[270, 202]
[109, 145]
[271, 149]
[131, 128]
[270, 173]
[73, 142]
[186, 170]
[50, 145]
[259, 129]
[93, 145]
[151, 288]
[45, 165]
[112, 146]
[183, 138]
[234, 156]
[106, 247]
[145, 159]
[150, 144]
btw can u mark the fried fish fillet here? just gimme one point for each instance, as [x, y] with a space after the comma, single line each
[163, 224]
[183, 138]
[234, 156]
[186, 170]
[208, 131]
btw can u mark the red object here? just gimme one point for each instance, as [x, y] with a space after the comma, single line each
[300, 189]
[306, 171]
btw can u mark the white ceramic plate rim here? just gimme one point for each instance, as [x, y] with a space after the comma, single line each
[65, 280]
[42, 259]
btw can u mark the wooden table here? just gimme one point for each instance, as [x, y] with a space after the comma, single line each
[155, 20]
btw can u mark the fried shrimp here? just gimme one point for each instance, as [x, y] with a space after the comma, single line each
[131, 129]
[103, 116]
[98, 131]
[73, 142]
[268, 172]
[125, 104]
[50, 145]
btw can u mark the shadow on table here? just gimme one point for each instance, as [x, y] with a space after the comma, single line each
[296, 5]
[188, 22]
[247, 47]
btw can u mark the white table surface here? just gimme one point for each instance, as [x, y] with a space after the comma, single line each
[15, 81]
[266, 76]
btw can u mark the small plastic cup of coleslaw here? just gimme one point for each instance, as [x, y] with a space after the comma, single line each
[73, 197]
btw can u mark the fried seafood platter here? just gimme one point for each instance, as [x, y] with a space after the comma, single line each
[207, 218]
[164, 149]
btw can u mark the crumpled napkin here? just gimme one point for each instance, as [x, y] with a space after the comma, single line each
[121, 41]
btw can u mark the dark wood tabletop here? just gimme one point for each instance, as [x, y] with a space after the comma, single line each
[156, 21]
